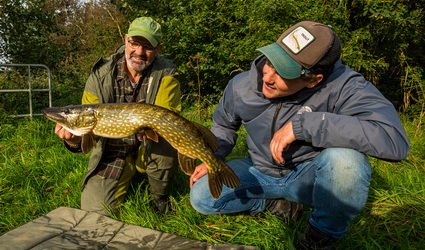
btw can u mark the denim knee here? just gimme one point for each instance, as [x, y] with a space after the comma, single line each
[345, 167]
[200, 197]
[341, 186]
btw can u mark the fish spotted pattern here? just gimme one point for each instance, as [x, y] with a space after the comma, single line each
[191, 140]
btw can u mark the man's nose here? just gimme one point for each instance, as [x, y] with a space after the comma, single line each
[268, 78]
[141, 50]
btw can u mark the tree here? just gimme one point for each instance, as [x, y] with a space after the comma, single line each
[25, 28]
[381, 39]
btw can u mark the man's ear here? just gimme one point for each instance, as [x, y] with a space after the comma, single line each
[159, 47]
[312, 83]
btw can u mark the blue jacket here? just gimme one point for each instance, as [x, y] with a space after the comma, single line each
[344, 111]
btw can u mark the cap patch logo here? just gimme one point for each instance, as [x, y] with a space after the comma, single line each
[298, 39]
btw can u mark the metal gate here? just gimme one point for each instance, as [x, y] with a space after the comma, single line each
[30, 90]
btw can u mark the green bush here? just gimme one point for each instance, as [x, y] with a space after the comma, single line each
[212, 40]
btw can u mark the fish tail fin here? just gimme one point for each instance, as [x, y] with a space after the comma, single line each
[230, 179]
[226, 176]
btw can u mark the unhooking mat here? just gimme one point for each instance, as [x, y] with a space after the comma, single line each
[70, 228]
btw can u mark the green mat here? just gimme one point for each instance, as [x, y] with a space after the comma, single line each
[70, 228]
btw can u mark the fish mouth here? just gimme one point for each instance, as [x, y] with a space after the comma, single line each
[54, 114]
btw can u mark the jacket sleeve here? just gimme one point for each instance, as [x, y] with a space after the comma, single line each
[361, 119]
[226, 123]
[91, 90]
[169, 95]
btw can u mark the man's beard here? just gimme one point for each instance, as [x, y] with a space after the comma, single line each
[138, 66]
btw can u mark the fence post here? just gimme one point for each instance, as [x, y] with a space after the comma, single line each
[30, 89]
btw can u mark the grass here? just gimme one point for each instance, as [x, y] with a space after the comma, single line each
[38, 175]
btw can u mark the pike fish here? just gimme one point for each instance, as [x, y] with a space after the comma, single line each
[191, 140]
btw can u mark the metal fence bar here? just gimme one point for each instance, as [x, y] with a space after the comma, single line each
[30, 89]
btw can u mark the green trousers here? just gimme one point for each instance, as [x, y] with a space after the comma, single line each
[104, 195]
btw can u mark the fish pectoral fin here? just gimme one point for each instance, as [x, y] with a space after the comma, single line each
[187, 164]
[224, 176]
[152, 134]
[208, 136]
[87, 142]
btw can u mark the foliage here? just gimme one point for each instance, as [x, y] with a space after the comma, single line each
[91, 31]
[381, 39]
[65, 35]
[25, 28]
[386, 44]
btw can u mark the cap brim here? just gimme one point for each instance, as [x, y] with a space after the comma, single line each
[285, 66]
[146, 35]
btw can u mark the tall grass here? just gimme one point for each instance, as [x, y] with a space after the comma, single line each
[38, 175]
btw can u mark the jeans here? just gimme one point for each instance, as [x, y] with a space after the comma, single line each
[335, 184]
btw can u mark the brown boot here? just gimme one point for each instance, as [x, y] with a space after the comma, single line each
[314, 239]
[161, 204]
[158, 191]
[285, 210]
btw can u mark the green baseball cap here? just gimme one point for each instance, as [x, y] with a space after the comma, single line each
[304, 46]
[147, 28]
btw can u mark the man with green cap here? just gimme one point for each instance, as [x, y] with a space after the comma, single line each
[136, 72]
[311, 122]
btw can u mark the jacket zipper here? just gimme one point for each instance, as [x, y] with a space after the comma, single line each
[276, 113]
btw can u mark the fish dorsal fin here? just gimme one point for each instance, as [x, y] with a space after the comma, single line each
[209, 136]
[87, 142]
[187, 164]
[151, 134]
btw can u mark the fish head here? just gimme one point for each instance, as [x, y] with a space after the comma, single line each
[79, 119]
